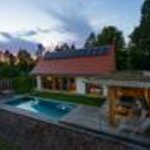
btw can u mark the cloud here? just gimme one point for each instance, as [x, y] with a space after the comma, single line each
[6, 35]
[40, 30]
[58, 19]
[13, 43]
[28, 33]
[34, 32]
[71, 21]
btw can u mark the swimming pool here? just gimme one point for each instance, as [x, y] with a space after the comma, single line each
[50, 108]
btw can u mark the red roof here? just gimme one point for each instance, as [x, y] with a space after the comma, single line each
[82, 66]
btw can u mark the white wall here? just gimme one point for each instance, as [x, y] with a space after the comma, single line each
[80, 86]
[105, 91]
[39, 83]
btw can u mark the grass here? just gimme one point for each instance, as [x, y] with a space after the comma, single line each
[79, 99]
[5, 145]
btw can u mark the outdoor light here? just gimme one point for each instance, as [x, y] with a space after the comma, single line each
[49, 78]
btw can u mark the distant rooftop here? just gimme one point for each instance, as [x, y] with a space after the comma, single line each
[77, 53]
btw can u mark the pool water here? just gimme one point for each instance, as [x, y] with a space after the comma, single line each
[51, 109]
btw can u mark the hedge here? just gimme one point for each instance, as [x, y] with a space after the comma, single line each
[23, 84]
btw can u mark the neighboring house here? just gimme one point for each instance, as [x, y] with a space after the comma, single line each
[68, 70]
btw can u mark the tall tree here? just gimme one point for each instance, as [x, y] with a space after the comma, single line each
[7, 55]
[64, 47]
[91, 41]
[72, 47]
[57, 48]
[12, 60]
[40, 50]
[25, 61]
[140, 40]
[111, 35]
[107, 36]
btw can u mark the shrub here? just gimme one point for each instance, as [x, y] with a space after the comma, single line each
[23, 84]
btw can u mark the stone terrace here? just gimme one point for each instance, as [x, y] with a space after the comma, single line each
[96, 119]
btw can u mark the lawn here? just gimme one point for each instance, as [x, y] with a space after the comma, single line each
[79, 99]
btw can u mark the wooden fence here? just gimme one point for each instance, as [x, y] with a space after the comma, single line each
[6, 85]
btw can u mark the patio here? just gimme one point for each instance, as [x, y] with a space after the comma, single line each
[97, 120]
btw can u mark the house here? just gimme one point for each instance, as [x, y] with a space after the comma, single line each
[67, 70]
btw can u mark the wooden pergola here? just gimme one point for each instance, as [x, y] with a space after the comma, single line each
[114, 94]
[135, 85]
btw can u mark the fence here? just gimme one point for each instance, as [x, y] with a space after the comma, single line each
[6, 84]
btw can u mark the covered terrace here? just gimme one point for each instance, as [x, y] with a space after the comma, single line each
[128, 99]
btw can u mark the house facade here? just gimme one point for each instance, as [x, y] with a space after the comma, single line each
[68, 70]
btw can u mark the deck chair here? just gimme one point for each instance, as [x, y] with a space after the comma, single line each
[136, 125]
[141, 128]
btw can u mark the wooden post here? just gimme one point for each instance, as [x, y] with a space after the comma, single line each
[146, 94]
[111, 95]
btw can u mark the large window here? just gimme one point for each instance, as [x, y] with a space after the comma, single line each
[58, 83]
[47, 82]
[72, 84]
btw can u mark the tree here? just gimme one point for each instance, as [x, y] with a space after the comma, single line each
[40, 50]
[91, 41]
[140, 40]
[111, 35]
[7, 71]
[107, 36]
[57, 48]
[25, 61]
[12, 60]
[65, 47]
[7, 56]
[72, 47]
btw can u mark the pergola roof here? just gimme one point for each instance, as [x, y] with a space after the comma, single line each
[137, 79]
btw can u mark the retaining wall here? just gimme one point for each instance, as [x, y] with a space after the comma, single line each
[33, 134]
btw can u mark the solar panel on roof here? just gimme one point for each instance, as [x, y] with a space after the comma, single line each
[81, 52]
[77, 53]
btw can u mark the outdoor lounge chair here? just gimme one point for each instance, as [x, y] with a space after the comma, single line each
[136, 125]
[143, 126]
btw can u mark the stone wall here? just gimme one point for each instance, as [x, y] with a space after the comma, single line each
[33, 134]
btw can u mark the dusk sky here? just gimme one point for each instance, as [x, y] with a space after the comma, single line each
[53, 21]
